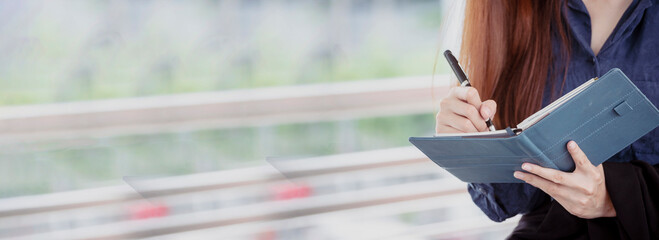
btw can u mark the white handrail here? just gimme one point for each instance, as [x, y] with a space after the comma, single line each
[211, 180]
[263, 211]
[328, 101]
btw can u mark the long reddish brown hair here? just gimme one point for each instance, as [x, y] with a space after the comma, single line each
[507, 53]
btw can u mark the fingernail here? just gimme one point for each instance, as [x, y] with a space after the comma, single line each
[526, 167]
[571, 145]
[518, 175]
[487, 112]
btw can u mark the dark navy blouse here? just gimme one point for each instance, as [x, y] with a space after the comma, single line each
[633, 46]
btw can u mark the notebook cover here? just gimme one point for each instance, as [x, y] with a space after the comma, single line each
[606, 117]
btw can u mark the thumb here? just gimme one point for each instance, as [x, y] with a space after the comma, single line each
[488, 109]
[579, 157]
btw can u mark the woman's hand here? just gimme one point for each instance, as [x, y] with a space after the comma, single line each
[582, 192]
[462, 111]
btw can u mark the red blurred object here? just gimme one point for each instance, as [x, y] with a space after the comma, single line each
[148, 210]
[267, 235]
[291, 191]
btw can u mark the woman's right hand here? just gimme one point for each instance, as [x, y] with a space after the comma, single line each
[462, 111]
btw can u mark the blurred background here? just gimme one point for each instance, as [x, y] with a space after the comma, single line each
[226, 119]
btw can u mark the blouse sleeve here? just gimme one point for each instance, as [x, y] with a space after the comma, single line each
[500, 201]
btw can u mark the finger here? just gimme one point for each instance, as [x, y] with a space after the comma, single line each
[458, 122]
[545, 185]
[441, 128]
[468, 95]
[553, 175]
[579, 157]
[488, 109]
[468, 111]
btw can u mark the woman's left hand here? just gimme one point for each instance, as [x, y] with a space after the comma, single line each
[582, 192]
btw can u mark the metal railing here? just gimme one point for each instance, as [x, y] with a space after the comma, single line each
[209, 181]
[388, 181]
[312, 172]
[223, 109]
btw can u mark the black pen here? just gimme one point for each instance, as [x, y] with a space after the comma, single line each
[462, 77]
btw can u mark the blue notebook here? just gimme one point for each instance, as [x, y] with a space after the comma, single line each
[603, 115]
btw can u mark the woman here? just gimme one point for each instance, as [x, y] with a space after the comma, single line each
[521, 55]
